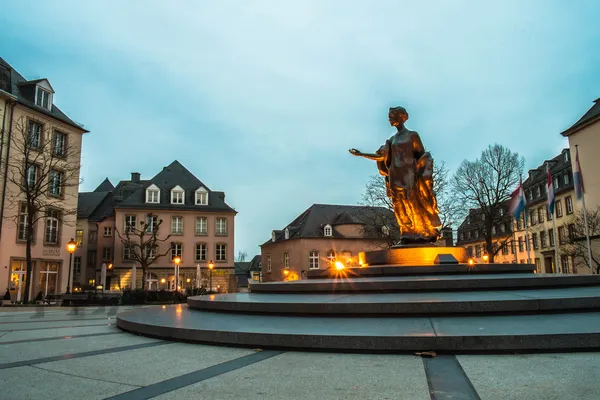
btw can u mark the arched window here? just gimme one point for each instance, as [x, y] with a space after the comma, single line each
[287, 233]
[327, 231]
[331, 257]
[313, 260]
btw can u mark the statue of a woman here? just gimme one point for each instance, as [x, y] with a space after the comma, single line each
[408, 171]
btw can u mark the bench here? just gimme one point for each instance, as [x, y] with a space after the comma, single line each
[75, 299]
[52, 299]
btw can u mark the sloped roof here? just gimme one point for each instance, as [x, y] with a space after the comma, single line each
[105, 186]
[17, 87]
[88, 202]
[538, 176]
[311, 222]
[592, 115]
[173, 175]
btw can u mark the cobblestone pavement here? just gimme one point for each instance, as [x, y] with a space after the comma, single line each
[63, 353]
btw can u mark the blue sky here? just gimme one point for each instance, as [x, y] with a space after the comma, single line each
[262, 99]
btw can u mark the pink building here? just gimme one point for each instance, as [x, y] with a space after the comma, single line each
[196, 222]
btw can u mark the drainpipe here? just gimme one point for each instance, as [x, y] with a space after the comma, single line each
[12, 109]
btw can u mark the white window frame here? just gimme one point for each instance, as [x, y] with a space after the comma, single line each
[269, 263]
[32, 175]
[23, 221]
[313, 259]
[331, 257]
[177, 195]
[127, 225]
[223, 256]
[176, 250]
[35, 128]
[221, 230]
[51, 229]
[201, 197]
[151, 223]
[287, 233]
[108, 231]
[150, 252]
[56, 182]
[569, 205]
[201, 222]
[558, 208]
[45, 95]
[177, 225]
[57, 150]
[128, 252]
[286, 260]
[201, 252]
[152, 194]
[328, 230]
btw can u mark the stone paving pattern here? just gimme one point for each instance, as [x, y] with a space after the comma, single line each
[62, 353]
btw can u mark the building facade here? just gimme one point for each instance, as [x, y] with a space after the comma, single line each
[40, 151]
[192, 222]
[321, 236]
[584, 135]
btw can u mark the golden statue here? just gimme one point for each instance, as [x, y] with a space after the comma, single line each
[408, 172]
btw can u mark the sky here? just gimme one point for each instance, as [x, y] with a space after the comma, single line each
[263, 99]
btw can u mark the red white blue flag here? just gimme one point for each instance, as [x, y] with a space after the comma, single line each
[550, 192]
[517, 202]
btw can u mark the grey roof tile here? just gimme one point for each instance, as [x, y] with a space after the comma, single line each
[591, 115]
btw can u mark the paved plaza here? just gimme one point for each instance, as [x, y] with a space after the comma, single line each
[61, 353]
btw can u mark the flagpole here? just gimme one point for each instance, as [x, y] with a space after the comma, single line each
[585, 216]
[526, 223]
[550, 183]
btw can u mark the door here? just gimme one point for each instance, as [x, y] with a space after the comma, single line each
[17, 280]
[548, 264]
[48, 278]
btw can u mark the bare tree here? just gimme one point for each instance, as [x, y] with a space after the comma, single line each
[576, 244]
[41, 168]
[486, 184]
[375, 195]
[241, 256]
[143, 244]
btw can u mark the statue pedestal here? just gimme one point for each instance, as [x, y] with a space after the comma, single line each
[415, 255]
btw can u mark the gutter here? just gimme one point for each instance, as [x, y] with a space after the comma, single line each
[12, 110]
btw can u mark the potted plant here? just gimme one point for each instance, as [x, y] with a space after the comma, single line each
[6, 298]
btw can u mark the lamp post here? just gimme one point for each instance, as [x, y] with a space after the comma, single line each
[177, 260]
[71, 246]
[211, 265]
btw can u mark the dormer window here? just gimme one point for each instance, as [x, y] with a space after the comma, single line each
[201, 197]
[327, 231]
[273, 236]
[43, 98]
[566, 155]
[287, 233]
[153, 194]
[177, 195]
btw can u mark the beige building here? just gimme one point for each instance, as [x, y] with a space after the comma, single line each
[585, 135]
[322, 235]
[197, 226]
[53, 139]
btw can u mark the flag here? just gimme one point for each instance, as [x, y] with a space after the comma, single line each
[517, 202]
[550, 192]
[577, 177]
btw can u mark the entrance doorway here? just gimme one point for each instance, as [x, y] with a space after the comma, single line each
[48, 278]
[152, 281]
[548, 265]
[18, 276]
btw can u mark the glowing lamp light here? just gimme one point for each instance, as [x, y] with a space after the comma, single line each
[211, 265]
[177, 260]
[188, 280]
[71, 246]
[110, 266]
[471, 262]
[286, 272]
[339, 265]
[163, 280]
[486, 257]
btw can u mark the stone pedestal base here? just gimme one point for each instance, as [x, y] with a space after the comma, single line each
[415, 255]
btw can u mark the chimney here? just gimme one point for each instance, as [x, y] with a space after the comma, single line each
[135, 177]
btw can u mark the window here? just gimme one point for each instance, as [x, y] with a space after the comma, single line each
[42, 98]
[153, 194]
[79, 237]
[541, 212]
[561, 235]
[477, 251]
[151, 223]
[177, 225]
[502, 228]
[91, 258]
[513, 249]
[221, 226]
[520, 223]
[106, 254]
[201, 225]
[493, 230]
[534, 240]
[566, 179]
[286, 260]
[108, 231]
[128, 252]
[566, 156]
[564, 262]
[558, 206]
[177, 195]
[533, 217]
[287, 233]
[501, 211]
[59, 144]
[505, 249]
[571, 229]
[52, 219]
[551, 236]
[76, 265]
[569, 205]
[130, 222]
[268, 263]
[538, 191]
[201, 197]
[521, 244]
[200, 252]
[56, 179]
[23, 221]
[313, 260]
[221, 253]
[327, 231]
[331, 257]
[555, 181]
[543, 243]
[35, 135]
[176, 250]
[93, 236]
[32, 175]
[150, 252]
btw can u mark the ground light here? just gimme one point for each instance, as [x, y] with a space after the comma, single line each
[339, 265]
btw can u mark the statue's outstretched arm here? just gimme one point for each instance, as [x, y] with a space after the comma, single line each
[377, 156]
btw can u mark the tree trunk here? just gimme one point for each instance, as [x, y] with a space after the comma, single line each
[143, 276]
[29, 267]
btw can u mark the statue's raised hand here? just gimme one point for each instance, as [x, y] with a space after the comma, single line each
[354, 152]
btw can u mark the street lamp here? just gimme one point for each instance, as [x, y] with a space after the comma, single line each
[486, 257]
[211, 265]
[177, 260]
[71, 246]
